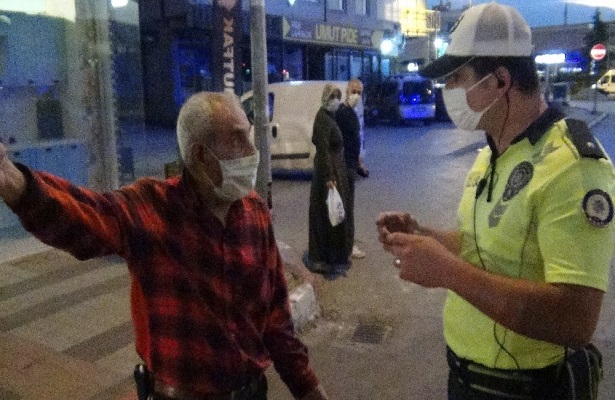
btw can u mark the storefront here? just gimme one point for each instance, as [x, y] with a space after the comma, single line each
[314, 50]
[178, 62]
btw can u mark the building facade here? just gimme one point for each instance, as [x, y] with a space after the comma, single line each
[306, 40]
[561, 46]
[569, 41]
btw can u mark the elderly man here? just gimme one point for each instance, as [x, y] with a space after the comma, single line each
[528, 265]
[348, 122]
[209, 298]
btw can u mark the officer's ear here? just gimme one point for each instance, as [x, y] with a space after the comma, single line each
[503, 77]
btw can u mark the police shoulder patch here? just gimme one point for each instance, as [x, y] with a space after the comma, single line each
[583, 139]
[598, 208]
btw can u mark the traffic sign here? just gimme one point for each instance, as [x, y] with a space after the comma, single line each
[598, 52]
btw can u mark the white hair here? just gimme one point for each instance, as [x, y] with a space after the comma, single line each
[329, 92]
[196, 120]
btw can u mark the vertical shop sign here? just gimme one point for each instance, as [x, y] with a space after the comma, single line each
[226, 52]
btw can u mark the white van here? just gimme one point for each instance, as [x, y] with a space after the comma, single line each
[292, 108]
[606, 84]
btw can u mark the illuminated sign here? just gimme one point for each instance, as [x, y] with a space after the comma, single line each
[225, 45]
[314, 32]
[550, 58]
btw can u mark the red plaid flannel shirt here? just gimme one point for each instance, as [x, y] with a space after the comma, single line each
[210, 303]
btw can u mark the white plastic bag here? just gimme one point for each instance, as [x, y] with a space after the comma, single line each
[335, 207]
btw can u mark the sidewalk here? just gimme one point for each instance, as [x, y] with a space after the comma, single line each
[583, 111]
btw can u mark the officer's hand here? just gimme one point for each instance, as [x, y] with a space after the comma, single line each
[394, 221]
[421, 259]
[12, 181]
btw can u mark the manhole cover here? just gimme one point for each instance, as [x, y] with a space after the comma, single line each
[369, 333]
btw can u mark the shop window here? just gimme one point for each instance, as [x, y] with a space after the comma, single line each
[367, 67]
[293, 63]
[193, 70]
[355, 65]
[385, 67]
[376, 65]
[363, 7]
[337, 5]
[329, 73]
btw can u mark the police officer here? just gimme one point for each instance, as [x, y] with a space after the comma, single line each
[527, 267]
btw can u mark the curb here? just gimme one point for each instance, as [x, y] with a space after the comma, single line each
[596, 120]
[303, 303]
[19, 246]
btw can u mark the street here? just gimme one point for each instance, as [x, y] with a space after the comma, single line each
[380, 337]
[66, 324]
[411, 168]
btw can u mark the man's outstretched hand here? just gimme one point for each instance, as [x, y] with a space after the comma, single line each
[12, 180]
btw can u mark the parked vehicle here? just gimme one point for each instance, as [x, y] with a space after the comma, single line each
[606, 84]
[292, 109]
[400, 99]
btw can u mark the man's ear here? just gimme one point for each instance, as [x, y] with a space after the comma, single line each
[503, 78]
[203, 159]
[196, 154]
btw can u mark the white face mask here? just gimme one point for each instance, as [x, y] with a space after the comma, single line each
[353, 100]
[238, 177]
[333, 105]
[457, 107]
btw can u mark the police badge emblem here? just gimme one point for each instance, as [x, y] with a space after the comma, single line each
[520, 176]
[598, 208]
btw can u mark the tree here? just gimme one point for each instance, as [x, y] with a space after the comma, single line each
[598, 34]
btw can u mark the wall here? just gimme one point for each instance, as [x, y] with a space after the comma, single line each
[60, 47]
[40, 61]
[32, 60]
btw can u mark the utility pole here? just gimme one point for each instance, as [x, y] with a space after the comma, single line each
[258, 41]
[566, 14]
[324, 2]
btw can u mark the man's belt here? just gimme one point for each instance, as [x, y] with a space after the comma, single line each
[150, 388]
[162, 391]
[518, 383]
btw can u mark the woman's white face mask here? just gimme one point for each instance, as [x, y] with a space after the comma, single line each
[458, 109]
[333, 105]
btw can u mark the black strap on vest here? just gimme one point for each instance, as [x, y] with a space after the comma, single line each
[583, 139]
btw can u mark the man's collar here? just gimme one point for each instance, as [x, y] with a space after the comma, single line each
[540, 125]
[536, 129]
